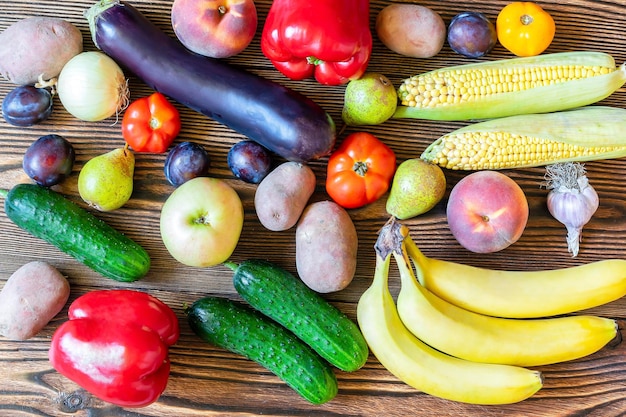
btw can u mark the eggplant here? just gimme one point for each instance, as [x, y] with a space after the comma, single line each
[283, 120]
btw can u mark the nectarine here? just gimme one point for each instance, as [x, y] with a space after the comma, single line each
[487, 211]
[215, 28]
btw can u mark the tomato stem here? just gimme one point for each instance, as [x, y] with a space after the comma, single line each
[360, 168]
[526, 19]
[155, 123]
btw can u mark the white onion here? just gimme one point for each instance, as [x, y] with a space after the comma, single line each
[92, 87]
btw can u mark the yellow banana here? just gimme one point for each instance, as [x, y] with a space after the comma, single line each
[423, 367]
[521, 294]
[476, 337]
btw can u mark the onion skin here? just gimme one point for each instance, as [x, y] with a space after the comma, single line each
[283, 120]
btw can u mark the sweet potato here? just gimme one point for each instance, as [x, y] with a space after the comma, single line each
[37, 46]
[30, 298]
[282, 195]
[326, 247]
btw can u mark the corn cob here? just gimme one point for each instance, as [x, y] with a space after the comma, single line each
[585, 134]
[485, 90]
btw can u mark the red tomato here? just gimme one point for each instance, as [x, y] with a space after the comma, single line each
[360, 170]
[150, 124]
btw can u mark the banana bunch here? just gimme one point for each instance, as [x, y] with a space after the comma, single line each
[420, 365]
[447, 351]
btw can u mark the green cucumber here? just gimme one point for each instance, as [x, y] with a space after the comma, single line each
[240, 329]
[48, 215]
[284, 298]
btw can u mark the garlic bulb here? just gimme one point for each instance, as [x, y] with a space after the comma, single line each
[572, 201]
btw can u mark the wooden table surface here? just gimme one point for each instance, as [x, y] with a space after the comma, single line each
[209, 381]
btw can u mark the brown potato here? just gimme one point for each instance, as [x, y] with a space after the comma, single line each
[30, 298]
[411, 30]
[37, 46]
[326, 247]
[282, 195]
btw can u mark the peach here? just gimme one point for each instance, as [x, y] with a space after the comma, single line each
[487, 211]
[215, 28]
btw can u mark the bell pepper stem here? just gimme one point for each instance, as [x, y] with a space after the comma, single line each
[314, 61]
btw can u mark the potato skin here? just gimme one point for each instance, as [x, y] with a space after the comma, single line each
[326, 247]
[411, 30]
[31, 297]
[37, 46]
[283, 194]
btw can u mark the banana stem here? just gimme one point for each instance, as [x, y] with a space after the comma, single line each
[407, 276]
[389, 241]
[419, 259]
[390, 238]
[381, 273]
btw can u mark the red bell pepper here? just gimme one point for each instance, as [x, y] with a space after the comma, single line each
[330, 39]
[150, 124]
[115, 345]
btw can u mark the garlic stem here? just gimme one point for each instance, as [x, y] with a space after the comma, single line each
[572, 201]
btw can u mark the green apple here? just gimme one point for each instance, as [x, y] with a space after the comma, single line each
[201, 222]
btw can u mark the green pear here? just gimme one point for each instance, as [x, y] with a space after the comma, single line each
[369, 100]
[106, 181]
[417, 187]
